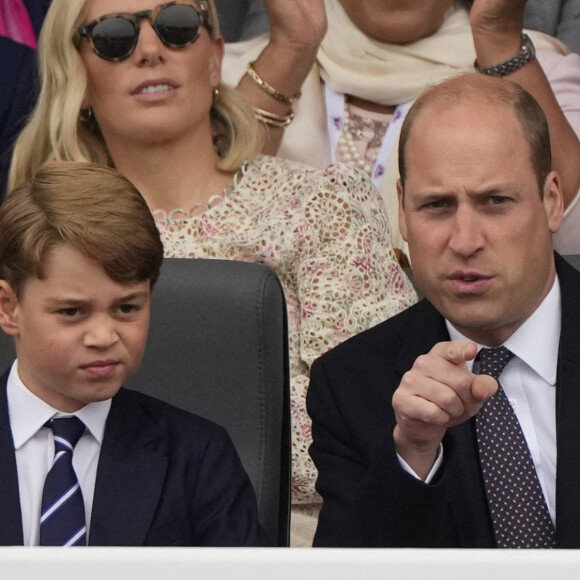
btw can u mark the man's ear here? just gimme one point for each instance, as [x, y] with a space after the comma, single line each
[8, 309]
[402, 215]
[553, 201]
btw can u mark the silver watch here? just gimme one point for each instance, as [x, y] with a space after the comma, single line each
[527, 54]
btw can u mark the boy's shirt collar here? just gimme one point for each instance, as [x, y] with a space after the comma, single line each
[28, 413]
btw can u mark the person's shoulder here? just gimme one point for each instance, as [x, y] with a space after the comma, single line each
[559, 65]
[169, 417]
[568, 270]
[348, 183]
[270, 164]
[335, 172]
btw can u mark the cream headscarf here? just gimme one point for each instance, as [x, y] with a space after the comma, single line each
[392, 74]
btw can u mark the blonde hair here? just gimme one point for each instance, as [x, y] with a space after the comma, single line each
[55, 130]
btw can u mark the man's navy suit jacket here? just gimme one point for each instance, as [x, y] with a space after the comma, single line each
[165, 478]
[369, 500]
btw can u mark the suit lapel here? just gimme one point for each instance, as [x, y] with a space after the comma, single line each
[11, 520]
[568, 411]
[130, 476]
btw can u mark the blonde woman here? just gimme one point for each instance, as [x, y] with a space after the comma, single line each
[142, 91]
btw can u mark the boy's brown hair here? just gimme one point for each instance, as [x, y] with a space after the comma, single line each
[93, 209]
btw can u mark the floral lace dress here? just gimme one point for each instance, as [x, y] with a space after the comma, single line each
[327, 237]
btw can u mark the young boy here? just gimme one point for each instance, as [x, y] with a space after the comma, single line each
[79, 256]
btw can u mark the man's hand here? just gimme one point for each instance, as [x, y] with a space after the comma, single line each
[436, 393]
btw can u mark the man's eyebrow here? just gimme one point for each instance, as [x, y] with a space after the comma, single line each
[429, 196]
[435, 195]
[489, 192]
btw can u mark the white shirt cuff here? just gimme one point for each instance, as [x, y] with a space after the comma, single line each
[434, 469]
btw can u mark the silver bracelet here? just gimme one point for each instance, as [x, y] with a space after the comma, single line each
[527, 54]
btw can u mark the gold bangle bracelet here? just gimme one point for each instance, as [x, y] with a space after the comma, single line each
[289, 100]
[273, 120]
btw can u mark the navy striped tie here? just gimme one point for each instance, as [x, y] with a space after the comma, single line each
[62, 520]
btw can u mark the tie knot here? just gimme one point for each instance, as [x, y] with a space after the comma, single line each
[67, 431]
[492, 361]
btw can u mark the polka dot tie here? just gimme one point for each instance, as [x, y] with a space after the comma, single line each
[518, 510]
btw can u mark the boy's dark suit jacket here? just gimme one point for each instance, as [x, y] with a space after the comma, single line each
[369, 500]
[165, 478]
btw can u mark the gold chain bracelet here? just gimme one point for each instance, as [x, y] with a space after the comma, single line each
[289, 100]
[273, 120]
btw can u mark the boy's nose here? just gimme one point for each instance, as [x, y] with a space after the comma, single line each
[101, 334]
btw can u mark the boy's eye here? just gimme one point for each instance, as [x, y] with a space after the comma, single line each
[72, 311]
[128, 308]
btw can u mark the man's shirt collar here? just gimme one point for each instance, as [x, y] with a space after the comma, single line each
[537, 340]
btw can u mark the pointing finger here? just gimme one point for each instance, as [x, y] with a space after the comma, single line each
[483, 387]
[457, 351]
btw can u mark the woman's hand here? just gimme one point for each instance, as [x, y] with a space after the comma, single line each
[498, 17]
[497, 29]
[297, 25]
[297, 28]
[496, 26]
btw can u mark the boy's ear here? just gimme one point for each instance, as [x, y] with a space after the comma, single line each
[8, 309]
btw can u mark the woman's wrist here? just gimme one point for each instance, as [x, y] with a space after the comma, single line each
[492, 49]
[515, 62]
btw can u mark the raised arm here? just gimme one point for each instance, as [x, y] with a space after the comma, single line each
[497, 34]
[297, 28]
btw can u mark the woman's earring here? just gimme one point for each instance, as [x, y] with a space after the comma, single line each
[86, 115]
[216, 96]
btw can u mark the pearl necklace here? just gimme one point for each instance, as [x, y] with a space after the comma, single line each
[356, 129]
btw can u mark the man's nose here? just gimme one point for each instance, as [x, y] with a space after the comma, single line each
[467, 235]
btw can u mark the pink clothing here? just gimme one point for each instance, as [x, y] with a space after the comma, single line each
[15, 22]
[563, 73]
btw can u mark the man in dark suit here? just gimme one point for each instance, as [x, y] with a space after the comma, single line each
[397, 409]
[79, 256]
